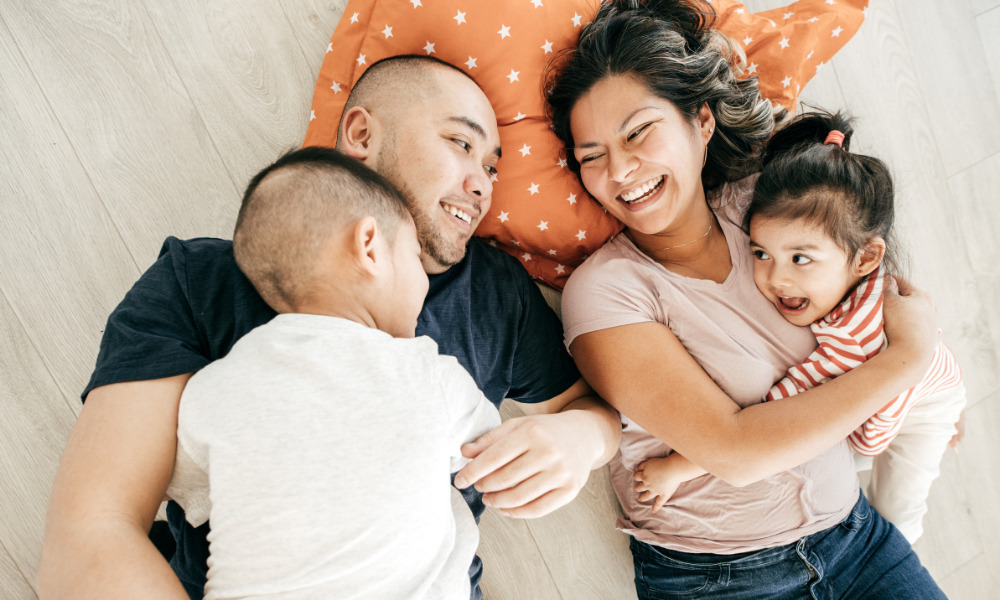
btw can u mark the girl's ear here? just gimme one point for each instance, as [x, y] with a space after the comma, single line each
[869, 257]
[356, 133]
[366, 246]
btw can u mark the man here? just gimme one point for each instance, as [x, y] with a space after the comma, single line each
[430, 130]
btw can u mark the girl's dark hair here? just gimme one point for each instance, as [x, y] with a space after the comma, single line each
[669, 46]
[849, 195]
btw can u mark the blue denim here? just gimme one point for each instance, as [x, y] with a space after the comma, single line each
[864, 556]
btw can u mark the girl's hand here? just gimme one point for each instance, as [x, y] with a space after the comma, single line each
[959, 432]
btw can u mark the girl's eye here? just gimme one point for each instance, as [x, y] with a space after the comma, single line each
[801, 260]
[759, 254]
[635, 133]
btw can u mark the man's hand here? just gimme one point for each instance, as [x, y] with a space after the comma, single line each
[532, 465]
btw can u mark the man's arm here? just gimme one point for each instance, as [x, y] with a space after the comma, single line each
[111, 480]
[532, 465]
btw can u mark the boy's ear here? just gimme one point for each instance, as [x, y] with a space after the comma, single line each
[357, 132]
[870, 257]
[366, 245]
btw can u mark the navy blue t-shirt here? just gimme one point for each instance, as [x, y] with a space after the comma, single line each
[192, 305]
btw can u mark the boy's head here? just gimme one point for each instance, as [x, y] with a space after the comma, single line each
[430, 130]
[319, 232]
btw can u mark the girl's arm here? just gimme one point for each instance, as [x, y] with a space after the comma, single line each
[667, 393]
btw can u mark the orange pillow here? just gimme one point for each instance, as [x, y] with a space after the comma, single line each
[540, 213]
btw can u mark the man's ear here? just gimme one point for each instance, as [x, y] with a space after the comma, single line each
[366, 245]
[869, 257]
[357, 133]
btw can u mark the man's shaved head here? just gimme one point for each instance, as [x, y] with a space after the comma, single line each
[392, 84]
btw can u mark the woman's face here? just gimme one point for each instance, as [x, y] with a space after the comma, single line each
[639, 156]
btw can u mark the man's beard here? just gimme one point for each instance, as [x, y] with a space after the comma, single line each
[432, 243]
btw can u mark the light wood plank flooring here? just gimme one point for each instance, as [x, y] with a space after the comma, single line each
[125, 121]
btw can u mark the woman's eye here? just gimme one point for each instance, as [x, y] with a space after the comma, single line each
[464, 145]
[635, 133]
[759, 254]
[801, 260]
[590, 158]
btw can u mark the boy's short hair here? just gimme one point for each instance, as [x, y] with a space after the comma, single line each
[291, 208]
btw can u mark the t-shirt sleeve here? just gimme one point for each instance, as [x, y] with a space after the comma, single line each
[542, 367]
[471, 413]
[152, 333]
[609, 290]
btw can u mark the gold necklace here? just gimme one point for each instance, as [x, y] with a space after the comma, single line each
[700, 237]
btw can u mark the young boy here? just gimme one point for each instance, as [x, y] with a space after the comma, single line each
[321, 446]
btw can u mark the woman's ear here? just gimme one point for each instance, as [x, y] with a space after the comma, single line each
[705, 121]
[869, 257]
[357, 133]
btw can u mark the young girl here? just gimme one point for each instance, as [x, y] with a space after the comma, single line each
[820, 226]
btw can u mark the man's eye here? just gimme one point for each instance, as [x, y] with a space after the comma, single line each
[801, 260]
[491, 169]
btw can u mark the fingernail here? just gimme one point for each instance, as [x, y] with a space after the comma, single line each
[460, 482]
[487, 501]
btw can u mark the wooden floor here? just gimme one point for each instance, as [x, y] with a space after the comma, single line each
[124, 121]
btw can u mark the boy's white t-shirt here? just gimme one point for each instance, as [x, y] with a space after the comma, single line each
[321, 450]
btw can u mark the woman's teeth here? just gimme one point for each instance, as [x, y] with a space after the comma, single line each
[642, 191]
[457, 212]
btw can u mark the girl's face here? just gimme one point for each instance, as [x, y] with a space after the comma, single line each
[800, 269]
[640, 157]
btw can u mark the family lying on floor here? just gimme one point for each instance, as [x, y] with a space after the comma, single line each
[318, 397]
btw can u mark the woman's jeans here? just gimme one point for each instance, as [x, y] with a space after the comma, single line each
[862, 557]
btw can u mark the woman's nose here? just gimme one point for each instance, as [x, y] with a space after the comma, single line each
[621, 165]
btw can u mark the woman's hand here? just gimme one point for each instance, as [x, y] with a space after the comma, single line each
[910, 323]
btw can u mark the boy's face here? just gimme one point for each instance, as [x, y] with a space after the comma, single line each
[408, 285]
[799, 268]
[442, 154]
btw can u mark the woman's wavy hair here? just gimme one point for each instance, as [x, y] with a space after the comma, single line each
[669, 46]
[848, 195]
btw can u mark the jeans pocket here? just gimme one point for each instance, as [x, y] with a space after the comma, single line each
[861, 512]
[660, 577]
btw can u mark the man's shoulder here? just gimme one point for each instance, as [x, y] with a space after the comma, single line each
[202, 249]
[489, 263]
[205, 260]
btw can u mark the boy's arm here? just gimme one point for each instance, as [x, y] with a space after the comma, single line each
[111, 480]
[532, 465]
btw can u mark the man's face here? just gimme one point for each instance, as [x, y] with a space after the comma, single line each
[441, 153]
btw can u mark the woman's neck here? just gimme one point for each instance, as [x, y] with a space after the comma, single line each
[696, 249]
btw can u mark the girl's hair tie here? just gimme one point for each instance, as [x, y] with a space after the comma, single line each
[835, 137]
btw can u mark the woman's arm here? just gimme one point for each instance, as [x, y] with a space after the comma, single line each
[645, 372]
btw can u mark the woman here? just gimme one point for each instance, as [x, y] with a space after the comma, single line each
[666, 324]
